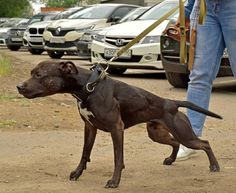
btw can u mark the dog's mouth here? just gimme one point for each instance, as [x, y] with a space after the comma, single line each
[27, 93]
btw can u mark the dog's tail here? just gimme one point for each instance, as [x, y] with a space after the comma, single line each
[194, 107]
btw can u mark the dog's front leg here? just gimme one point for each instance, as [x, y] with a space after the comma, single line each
[117, 134]
[89, 138]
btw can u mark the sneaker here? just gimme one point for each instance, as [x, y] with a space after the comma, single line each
[185, 153]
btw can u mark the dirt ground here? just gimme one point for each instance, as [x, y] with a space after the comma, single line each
[41, 142]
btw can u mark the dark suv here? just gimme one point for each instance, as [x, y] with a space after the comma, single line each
[177, 74]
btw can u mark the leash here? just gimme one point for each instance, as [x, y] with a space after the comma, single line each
[193, 33]
[183, 48]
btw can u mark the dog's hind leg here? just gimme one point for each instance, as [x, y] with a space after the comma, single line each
[158, 132]
[182, 131]
[89, 138]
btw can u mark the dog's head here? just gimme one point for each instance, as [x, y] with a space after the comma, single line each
[48, 78]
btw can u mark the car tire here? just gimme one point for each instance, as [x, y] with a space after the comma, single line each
[13, 48]
[116, 71]
[177, 80]
[36, 51]
[55, 54]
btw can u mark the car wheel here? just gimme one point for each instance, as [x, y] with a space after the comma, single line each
[13, 48]
[55, 54]
[36, 51]
[116, 71]
[177, 80]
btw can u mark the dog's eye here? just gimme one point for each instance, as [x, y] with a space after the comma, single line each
[37, 75]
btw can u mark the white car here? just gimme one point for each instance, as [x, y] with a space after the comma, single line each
[62, 35]
[143, 55]
[33, 35]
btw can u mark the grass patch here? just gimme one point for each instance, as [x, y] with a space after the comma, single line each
[7, 123]
[5, 65]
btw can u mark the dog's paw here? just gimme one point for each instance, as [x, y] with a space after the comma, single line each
[168, 161]
[215, 168]
[74, 175]
[111, 184]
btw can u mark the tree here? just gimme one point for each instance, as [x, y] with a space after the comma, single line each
[62, 3]
[13, 8]
[70, 3]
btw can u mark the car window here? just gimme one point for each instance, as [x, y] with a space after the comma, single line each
[158, 11]
[95, 12]
[132, 15]
[121, 12]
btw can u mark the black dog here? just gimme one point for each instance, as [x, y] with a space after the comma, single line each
[114, 106]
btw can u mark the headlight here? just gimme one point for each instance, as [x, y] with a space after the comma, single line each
[84, 29]
[151, 39]
[98, 37]
[4, 35]
[165, 43]
[86, 37]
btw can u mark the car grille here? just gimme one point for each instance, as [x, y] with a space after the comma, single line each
[132, 59]
[17, 32]
[171, 57]
[61, 32]
[118, 41]
[36, 30]
[58, 45]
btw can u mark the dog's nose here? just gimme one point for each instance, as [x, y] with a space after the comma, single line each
[20, 86]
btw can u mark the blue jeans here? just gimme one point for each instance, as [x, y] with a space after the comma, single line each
[217, 33]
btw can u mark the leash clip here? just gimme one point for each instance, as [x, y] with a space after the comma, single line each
[88, 85]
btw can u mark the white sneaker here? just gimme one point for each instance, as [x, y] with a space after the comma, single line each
[185, 153]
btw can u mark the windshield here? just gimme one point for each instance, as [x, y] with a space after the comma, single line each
[66, 14]
[10, 23]
[95, 12]
[38, 18]
[159, 10]
[132, 15]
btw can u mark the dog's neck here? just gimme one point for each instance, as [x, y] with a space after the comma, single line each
[87, 81]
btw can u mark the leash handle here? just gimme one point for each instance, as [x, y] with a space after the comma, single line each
[183, 47]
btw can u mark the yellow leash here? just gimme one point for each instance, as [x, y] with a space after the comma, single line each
[183, 48]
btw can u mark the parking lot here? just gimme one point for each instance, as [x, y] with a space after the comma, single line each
[41, 141]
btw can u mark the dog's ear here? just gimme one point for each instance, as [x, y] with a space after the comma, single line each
[68, 67]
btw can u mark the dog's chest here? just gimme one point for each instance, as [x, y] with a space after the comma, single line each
[84, 112]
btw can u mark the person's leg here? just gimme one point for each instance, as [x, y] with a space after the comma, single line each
[209, 49]
[227, 18]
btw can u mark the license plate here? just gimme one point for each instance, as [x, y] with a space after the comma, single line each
[36, 39]
[109, 53]
[89, 46]
[58, 40]
[16, 39]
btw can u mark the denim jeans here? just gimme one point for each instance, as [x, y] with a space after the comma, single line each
[217, 33]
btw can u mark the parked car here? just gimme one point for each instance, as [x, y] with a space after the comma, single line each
[5, 26]
[84, 43]
[15, 38]
[177, 74]
[3, 19]
[33, 35]
[62, 35]
[143, 55]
